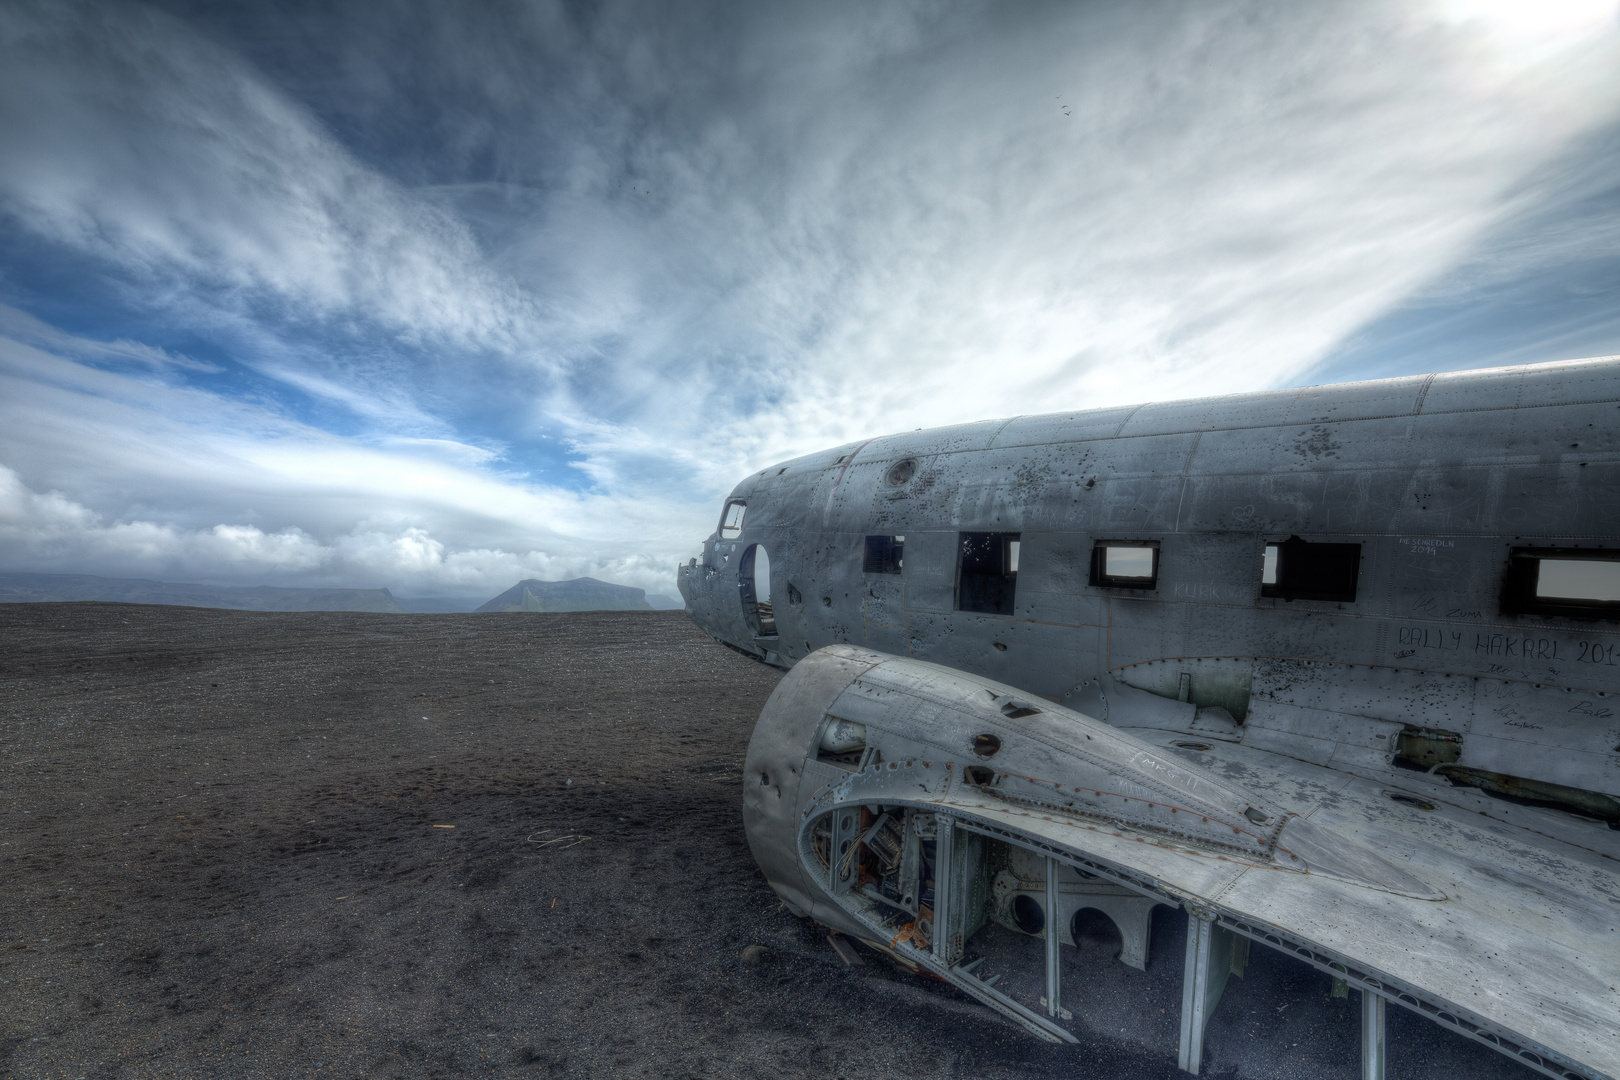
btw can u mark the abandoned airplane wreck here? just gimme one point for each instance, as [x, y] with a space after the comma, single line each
[1334, 671]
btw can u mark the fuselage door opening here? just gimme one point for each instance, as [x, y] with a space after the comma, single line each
[754, 584]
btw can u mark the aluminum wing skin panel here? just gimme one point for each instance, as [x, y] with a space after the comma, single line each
[1099, 755]
[1480, 950]
[1529, 935]
[1525, 939]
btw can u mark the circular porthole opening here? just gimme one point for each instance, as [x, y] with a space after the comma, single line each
[901, 471]
[1027, 914]
[986, 745]
[1410, 800]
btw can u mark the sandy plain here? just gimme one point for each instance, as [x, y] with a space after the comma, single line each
[241, 844]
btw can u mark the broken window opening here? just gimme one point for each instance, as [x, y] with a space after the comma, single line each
[987, 575]
[884, 555]
[1426, 749]
[1302, 570]
[731, 519]
[1125, 564]
[842, 744]
[1574, 583]
[754, 586]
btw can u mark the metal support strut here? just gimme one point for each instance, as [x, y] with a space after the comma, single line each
[1054, 937]
[1209, 963]
[1372, 1035]
[944, 840]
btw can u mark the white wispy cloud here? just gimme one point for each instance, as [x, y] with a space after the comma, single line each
[51, 532]
[678, 244]
[119, 473]
[134, 139]
[22, 327]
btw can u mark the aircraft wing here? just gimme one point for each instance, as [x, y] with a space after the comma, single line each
[1504, 928]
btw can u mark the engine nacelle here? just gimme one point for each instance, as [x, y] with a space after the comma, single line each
[904, 803]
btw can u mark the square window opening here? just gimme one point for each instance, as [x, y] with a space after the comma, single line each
[1125, 564]
[884, 555]
[987, 572]
[1302, 570]
[1575, 583]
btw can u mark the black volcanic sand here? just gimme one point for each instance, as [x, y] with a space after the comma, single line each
[224, 855]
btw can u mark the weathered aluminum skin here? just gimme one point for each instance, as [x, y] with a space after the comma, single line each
[1437, 478]
[1504, 932]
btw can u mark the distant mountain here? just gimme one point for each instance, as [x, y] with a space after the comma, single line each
[34, 588]
[439, 605]
[659, 602]
[580, 594]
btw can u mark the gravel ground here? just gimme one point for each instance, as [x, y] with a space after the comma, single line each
[348, 845]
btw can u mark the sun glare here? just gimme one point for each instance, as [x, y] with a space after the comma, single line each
[1530, 32]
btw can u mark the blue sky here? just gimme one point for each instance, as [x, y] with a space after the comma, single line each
[440, 297]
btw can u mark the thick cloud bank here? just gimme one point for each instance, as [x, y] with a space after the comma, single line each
[438, 298]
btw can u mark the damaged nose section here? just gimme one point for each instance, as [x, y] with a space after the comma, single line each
[1323, 851]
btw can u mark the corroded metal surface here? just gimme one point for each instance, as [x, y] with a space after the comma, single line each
[1425, 652]
[1437, 477]
[1504, 928]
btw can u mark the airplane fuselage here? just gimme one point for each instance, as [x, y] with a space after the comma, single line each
[1312, 653]
[1428, 499]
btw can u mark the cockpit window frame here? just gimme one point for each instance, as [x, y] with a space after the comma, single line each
[732, 532]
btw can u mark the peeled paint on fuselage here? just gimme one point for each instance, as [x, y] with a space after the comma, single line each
[1438, 479]
[1366, 720]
